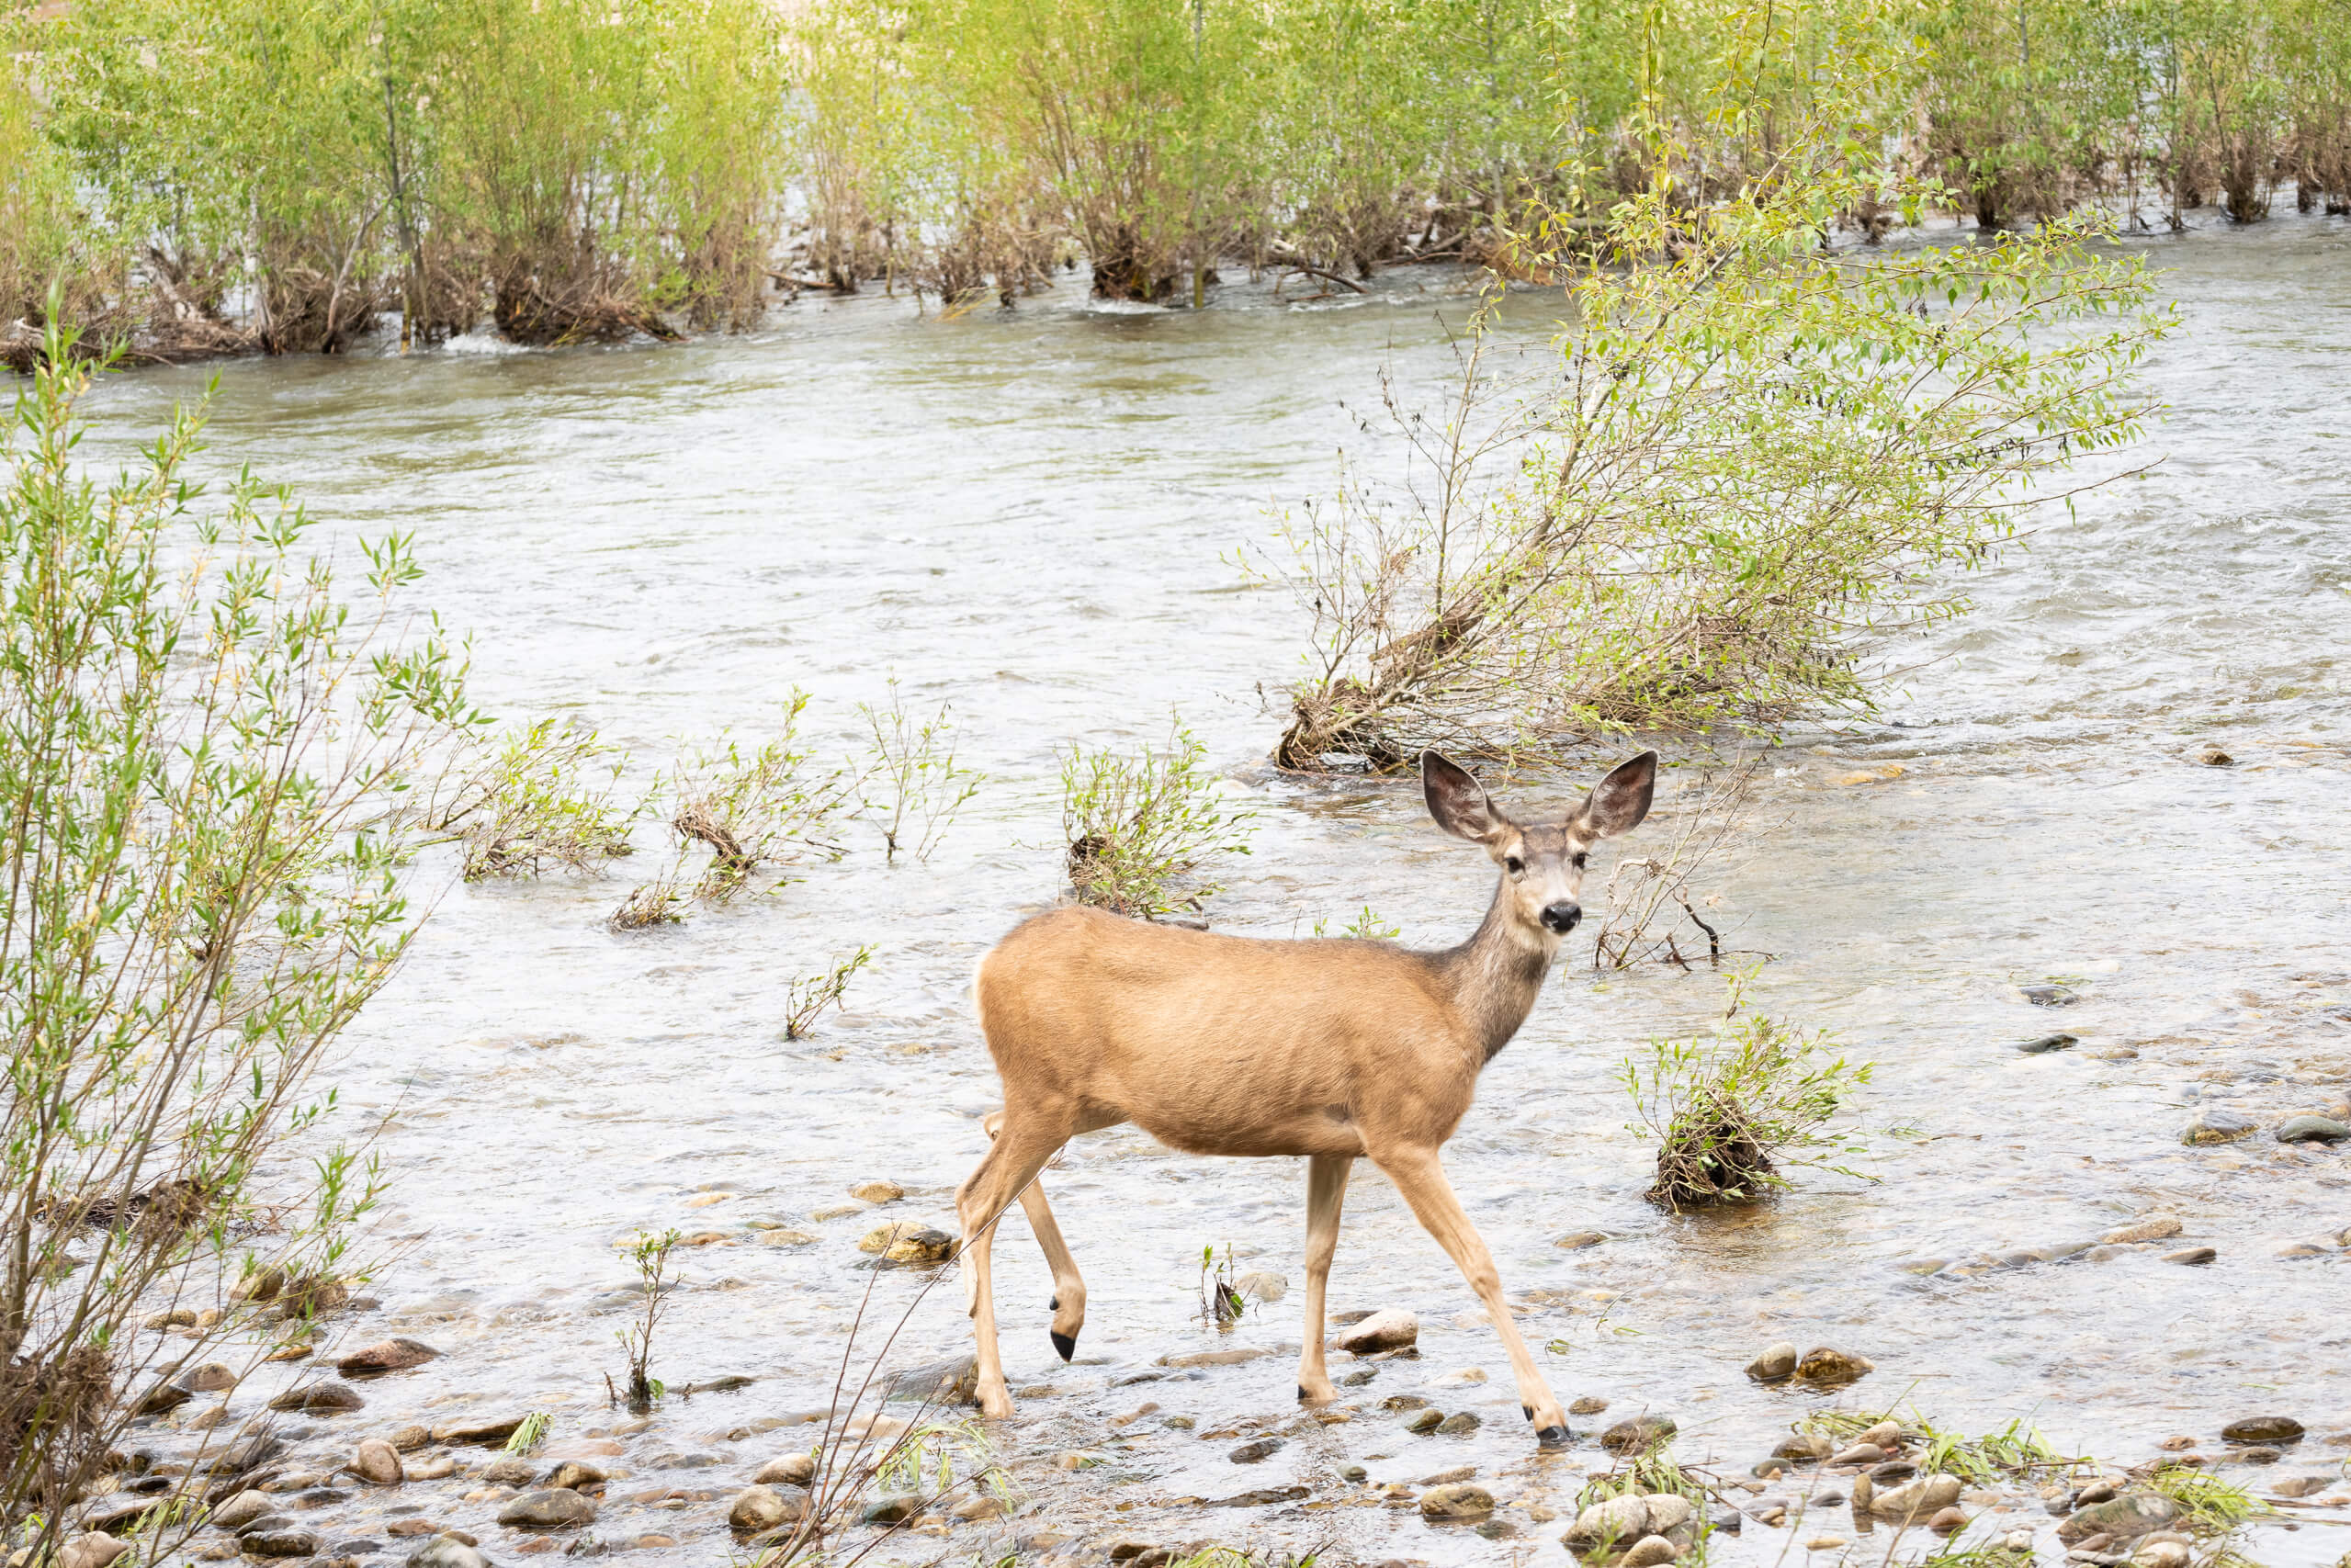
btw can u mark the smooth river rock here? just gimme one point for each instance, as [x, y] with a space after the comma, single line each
[241, 1510]
[2262, 1429]
[757, 1508]
[1777, 1364]
[377, 1463]
[2154, 1227]
[1258, 1285]
[1823, 1364]
[1459, 1500]
[318, 1399]
[1649, 1551]
[2312, 1130]
[2219, 1124]
[1391, 1330]
[445, 1552]
[553, 1509]
[1637, 1434]
[788, 1470]
[1917, 1500]
[2124, 1517]
[386, 1356]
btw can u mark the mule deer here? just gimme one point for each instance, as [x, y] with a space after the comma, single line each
[1227, 1046]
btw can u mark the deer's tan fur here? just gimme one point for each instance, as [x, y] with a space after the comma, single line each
[1334, 1050]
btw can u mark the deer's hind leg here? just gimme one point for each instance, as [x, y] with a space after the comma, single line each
[1068, 1304]
[1005, 1172]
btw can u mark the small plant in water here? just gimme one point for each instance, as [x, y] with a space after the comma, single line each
[1220, 1304]
[651, 1255]
[660, 902]
[1728, 1113]
[807, 997]
[530, 1433]
[1136, 824]
[914, 787]
[545, 795]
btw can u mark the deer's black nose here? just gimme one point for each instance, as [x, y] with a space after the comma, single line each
[1562, 917]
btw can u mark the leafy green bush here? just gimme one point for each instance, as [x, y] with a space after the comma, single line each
[199, 888]
[1137, 825]
[1730, 1112]
[1754, 458]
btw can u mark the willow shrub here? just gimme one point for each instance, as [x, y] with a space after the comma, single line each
[1755, 458]
[199, 886]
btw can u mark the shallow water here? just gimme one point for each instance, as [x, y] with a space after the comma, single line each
[1024, 514]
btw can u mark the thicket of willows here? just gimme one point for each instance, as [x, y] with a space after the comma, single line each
[216, 176]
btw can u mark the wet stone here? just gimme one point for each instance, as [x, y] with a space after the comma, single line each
[1389, 1330]
[2312, 1130]
[280, 1544]
[487, 1430]
[1638, 1434]
[575, 1475]
[2048, 1044]
[1588, 1405]
[510, 1471]
[388, 1355]
[2262, 1429]
[1458, 1500]
[1258, 1285]
[2218, 1125]
[2122, 1519]
[1777, 1364]
[954, 1380]
[757, 1508]
[2156, 1227]
[1576, 1241]
[2192, 1255]
[209, 1378]
[1256, 1449]
[1424, 1421]
[1804, 1445]
[242, 1510]
[551, 1510]
[445, 1552]
[1824, 1365]
[1649, 1551]
[377, 1463]
[878, 1192]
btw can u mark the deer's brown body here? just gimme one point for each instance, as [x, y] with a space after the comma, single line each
[1333, 1050]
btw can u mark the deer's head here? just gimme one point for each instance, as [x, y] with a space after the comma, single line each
[1542, 863]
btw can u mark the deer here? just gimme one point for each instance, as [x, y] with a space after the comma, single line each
[1334, 1049]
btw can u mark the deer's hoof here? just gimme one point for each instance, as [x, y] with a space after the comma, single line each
[1552, 1438]
[1065, 1343]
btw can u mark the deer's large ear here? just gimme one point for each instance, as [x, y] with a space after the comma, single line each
[1619, 801]
[1458, 801]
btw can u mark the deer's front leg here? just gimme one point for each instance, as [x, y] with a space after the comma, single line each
[1420, 1177]
[1326, 1189]
[1011, 1163]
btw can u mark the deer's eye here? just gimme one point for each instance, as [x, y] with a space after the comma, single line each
[1513, 865]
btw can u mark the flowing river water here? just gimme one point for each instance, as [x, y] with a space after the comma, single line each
[1029, 516]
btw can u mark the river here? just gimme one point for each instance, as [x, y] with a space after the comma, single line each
[1031, 515]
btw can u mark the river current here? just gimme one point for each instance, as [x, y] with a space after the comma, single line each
[1031, 516]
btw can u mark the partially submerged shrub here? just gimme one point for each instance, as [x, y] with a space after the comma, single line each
[806, 999]
[546, 796]
[760, 805]
[1137, 826]
[912, 785]
[201, 889]
[1731, 1113]
[1758, 457]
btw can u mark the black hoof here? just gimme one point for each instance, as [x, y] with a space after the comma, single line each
[1552, 1438]
[1065, 1343]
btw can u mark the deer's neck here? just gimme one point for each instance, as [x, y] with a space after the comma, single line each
[1496, 976]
